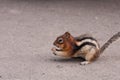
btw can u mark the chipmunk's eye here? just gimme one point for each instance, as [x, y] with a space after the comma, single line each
[60, 40]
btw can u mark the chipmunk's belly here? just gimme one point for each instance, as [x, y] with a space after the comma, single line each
[80, 54]
[83, 52]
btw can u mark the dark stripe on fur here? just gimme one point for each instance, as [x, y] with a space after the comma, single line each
[76, 48]
[81, 39]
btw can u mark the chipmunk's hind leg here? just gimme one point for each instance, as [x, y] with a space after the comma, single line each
[90, 56]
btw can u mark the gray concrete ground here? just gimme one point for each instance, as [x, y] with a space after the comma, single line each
[29, 27]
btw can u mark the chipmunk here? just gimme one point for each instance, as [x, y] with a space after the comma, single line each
[84, 46]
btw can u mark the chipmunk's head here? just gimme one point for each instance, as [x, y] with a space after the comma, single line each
[63, 45]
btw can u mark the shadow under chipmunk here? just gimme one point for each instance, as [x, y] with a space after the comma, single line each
[75, 59]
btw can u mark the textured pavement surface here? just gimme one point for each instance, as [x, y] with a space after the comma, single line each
[29, 27]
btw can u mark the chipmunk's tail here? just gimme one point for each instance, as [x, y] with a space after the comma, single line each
[111, 40]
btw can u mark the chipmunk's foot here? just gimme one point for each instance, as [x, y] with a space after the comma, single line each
[84, 63]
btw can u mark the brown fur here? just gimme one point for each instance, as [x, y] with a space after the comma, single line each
[67, 45]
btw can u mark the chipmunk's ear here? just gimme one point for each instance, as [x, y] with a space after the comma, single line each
[67, 35]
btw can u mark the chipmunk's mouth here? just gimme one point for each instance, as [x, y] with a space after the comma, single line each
[58, 49]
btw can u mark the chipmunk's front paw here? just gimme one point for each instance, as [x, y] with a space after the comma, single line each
[54, 50]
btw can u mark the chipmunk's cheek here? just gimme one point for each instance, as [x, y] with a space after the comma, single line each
[62, 46]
